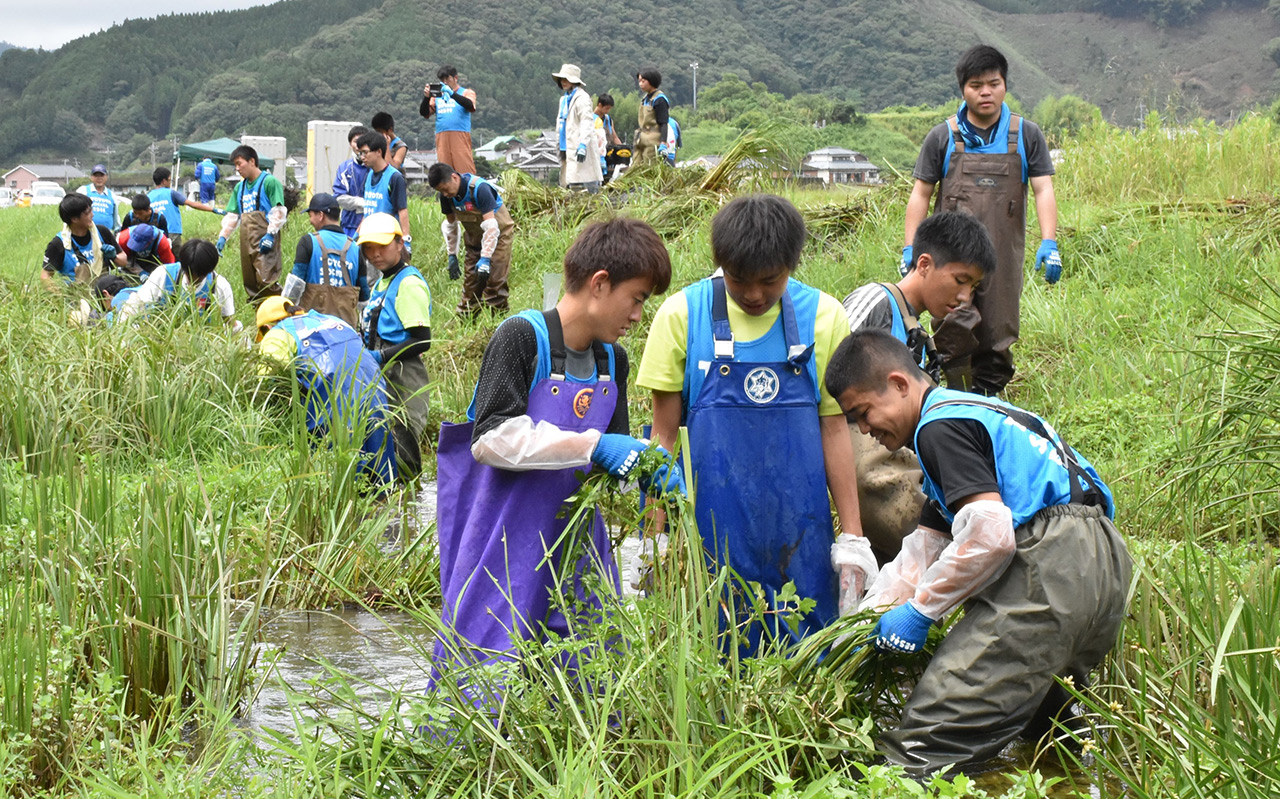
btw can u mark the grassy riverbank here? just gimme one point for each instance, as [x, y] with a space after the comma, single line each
[156, 495]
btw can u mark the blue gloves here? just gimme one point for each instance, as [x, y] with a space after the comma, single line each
[668, 479]
[220, 211]
[268, 241]
[408, 247]
[618, 454]
[903, 629]
[455, 271]
[1048, 259]
[582, 153]
[907, 260]
[222, 243]
[482, 266]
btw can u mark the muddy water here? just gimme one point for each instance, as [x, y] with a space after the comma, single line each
[390, 651]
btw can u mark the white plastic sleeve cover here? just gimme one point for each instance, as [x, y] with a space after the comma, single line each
[276, 218]
[350, 202]
[229, 224]
[853, 560]
[488, 237]
[450, 232]
[520, 444]
[897, 581]
[982, 545]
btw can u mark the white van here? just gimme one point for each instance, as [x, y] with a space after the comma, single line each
[46, 192]
[6, 197]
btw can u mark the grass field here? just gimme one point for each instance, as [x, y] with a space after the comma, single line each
[157, 497]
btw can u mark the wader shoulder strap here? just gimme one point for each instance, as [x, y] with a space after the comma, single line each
[560, 355]
[1015, 132]
[1033, 423]
[325, 252]
[956, 138]
[916, 334]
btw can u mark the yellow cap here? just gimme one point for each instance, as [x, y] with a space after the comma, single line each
[272, 310]
[378, 229]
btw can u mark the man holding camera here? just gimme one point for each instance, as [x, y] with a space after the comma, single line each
[453, 107]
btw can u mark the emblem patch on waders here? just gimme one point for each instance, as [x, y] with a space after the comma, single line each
[986, 183]
[582, 402]
[761, 385]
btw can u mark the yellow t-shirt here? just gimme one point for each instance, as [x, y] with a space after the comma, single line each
[662, 365]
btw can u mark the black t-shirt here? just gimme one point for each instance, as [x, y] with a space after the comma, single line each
[507, 371]
[156, 220]
[933, 153]
[54, 252]
[960, 458]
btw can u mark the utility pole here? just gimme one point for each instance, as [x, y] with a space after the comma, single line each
[694, 67]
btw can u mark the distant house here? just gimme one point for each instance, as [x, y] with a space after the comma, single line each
[416, 164]
[838, 166]
[541, 164]
[22, 176]
[502, 149]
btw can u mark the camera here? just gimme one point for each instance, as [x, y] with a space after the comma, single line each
[434, 89]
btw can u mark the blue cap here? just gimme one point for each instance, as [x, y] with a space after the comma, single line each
[141, 237]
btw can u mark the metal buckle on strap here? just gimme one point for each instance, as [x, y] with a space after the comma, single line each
[724, 348]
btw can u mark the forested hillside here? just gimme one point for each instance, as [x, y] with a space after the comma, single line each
[268, 70]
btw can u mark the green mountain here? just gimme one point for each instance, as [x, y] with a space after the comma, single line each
[267, 70]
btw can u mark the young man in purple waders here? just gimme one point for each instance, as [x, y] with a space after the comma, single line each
[550, 401]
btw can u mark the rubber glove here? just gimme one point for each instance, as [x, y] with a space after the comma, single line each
[903, 629]
[1047, 258]
[907, 259]
[666, 479]
[220, 211]
[455, 271]
[408, 247]
[582, 153]
[222, 243]
[662, 150]
[618, 454]
[268, 241]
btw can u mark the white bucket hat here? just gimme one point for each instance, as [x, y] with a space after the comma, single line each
[569, 72]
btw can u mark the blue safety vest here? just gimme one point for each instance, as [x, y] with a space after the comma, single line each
[162, 203]
[380, 320]
[255, 198]
[999, 143]
[200, 297]
[342, 255]
[1033, 470]
[562, 117]
[450, 116]
[377, 196]
[343, 386]
[73, 253]
[466, 198]
[104, 207]
[208, 173]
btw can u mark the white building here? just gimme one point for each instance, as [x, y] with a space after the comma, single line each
[838, 166]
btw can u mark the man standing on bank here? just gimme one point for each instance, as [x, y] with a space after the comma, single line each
[453, 106]
[984, 157]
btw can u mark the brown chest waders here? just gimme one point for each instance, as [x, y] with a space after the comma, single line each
[340, 301]
[975, 340]
[649, 136]
[260, 271]
[494, 295]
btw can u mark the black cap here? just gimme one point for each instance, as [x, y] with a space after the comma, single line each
[324, 203]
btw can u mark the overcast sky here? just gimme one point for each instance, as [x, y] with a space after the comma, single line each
[52, 23]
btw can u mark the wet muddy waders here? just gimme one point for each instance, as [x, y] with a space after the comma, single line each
[496, 526]
[475, 293]
[975, 340]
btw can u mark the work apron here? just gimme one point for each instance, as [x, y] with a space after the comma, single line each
[760, 418]
[975, 340]
[648, 137]
[260, 271]
[407, 381]
[496, 526]
[335, 298]
[496, 290]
